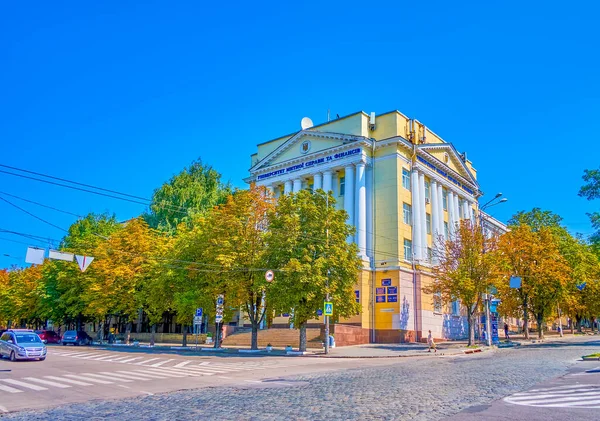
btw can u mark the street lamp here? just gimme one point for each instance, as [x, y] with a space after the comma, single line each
[489, 204]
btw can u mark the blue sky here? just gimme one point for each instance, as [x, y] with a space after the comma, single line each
[125, 94]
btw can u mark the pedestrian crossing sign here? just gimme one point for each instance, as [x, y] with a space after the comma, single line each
[328, 308]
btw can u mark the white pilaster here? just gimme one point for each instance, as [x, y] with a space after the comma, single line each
[361, 209]
[369, 171]
[349, 195]
[287, 187]
[297, 185]
[335, 186]
[422, 217]
[451, 217]
[435, 216]
[466, 210]
[440, 206]
[416, 228]
[317, 181]
[456, 211]
[327, 180]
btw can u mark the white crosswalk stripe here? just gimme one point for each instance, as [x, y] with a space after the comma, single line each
[23, 384]
[9, 389]
[146, 361]
[104, 377]
[47, 382]
[182, 364]
[88, 379]
[70, 381]
[143, 374]
[580, 396]
[125, 376]
[161, 363]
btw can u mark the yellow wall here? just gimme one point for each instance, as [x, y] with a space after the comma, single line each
[354, 124]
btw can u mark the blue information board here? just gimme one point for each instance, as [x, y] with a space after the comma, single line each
[392, 290]
[357, 296]
[379, 291]
[392, 298]
[380, 299]
[386, 282]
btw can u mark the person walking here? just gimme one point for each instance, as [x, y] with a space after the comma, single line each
[506, 331]
[431, 343]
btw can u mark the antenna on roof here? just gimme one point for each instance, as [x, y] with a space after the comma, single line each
[328, 116]
[306, 123]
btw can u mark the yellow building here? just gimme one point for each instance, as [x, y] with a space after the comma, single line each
[402, 186]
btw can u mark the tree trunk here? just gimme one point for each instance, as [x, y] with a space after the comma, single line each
[579, 325]
[100, 335]
[540, 323]
[254, 342]
[471, 327]
[526, 323]
[152, 332]
[185, 333]
[139, 321]
[9, 324]
[128, 333]
[303, 337]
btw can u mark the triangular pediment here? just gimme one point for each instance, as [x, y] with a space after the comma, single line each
[449, 157]
[304, 143]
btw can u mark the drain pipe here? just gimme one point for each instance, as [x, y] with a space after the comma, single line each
[373, 240]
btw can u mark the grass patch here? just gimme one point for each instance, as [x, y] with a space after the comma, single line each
[472, 346]
[596, 355]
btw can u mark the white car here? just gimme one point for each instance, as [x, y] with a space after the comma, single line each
[18, 344]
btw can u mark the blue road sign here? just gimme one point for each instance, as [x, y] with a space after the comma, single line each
[220, 300]
[319, 312]
[328, 309]
[199, 312]
[515, 282]
[580, 287]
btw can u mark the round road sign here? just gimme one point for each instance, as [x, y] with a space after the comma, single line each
[269, 275]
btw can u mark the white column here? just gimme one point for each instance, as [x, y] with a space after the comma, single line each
[451, 218]
[440, 206]
[435, 216]
[335, 184]
[422, 212]
[349, 195]
[466, 210]
[327, 180]
[456, 210]
[416, 228]
[271, 190]
[287, 188]
[361, 209]
[297, 185]
[317, 181]
[370, 232]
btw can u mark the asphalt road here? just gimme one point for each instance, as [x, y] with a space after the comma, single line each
[541, 381]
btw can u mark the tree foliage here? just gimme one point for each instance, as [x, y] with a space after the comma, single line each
[465, 270]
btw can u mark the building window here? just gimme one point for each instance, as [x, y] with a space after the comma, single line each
[429, 254]
[407, 213]
[456, 308]
[427, 190]
[407, 249]
[428, 222]
[437, 303]
[342, 185]
[445, 199]
[446, 229]
[406, 179]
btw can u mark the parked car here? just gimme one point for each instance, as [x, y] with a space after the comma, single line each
[48, 336]
[22, 345]
[76, 337]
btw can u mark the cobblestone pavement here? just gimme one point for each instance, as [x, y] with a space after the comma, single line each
[406, 389]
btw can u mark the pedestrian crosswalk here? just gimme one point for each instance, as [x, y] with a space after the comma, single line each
[567, 396]
[173, 365]
[10, 386]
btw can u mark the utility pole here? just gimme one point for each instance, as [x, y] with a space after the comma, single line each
[488, 330]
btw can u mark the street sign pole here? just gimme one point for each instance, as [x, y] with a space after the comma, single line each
[488, 329]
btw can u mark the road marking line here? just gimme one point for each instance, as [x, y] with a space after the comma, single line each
[74, 354]
[104, 357]
[223, 377]
[253, 381]
[147, 393]
[10, 389]
[174, 371]
[23, 384]
[561, 401]
[78, 383]
[125, 376]
[90, 356]
[182, 364]
[130, 359]
[124, 387]
[162, 373]
[46, 382]
[146, 361]
[203, 371]
[554, 392]
[560, 387]
[187, 371]
[101, 376]
[161, 363]
[119, 358]
[151, 375]
[3, 409]
[89, 379]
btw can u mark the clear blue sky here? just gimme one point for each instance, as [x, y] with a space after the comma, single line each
[125, 94]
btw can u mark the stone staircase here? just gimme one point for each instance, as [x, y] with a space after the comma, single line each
[277, 337]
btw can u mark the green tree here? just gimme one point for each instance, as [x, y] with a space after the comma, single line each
[591, 191]
[309, 248]
[195, 190]
[465, 270]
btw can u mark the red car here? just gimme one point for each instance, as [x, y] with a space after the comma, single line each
[48, 336]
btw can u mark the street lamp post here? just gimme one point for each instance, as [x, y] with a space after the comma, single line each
[488, 327]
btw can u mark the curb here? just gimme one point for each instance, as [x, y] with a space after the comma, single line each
[472, 351]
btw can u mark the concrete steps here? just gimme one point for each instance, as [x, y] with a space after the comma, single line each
[276, 337]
